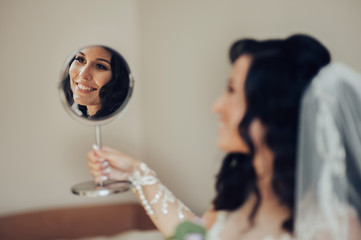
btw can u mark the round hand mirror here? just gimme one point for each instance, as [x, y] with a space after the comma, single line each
[95, 87]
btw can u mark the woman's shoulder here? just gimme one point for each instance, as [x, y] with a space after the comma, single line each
[215, 224]
[210, 217]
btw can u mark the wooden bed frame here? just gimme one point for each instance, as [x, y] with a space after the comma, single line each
[75, 222]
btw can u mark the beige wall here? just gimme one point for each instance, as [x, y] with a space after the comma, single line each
[178, 53]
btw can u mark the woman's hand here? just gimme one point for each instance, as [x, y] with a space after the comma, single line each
[166, 213]
[108, 163]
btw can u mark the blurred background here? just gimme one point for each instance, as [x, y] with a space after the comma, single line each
[177, 51]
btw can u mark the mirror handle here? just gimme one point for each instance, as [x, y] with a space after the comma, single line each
[98, 144]
[98, 136]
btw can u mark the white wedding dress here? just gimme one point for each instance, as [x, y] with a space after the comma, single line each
[215, 231]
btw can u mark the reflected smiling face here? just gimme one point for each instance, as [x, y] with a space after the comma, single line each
[89, 72]
[231, 107]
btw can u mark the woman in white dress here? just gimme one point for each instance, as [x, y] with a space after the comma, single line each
[259, 116]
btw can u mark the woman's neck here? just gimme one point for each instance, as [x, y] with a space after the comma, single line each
[263, 163]
[270, 203]
[93, 109]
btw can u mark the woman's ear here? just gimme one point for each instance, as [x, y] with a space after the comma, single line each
[263, 159]
[257, 131]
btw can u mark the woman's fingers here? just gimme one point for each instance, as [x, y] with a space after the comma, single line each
[92, 156]
[109, 163]
[116, 159]
[108, 172]
[100, 170]
[99, 167]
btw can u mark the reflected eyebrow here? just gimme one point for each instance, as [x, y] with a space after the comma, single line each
[104, 60]
[99, 59]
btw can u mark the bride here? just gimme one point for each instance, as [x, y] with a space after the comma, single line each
[259, 121]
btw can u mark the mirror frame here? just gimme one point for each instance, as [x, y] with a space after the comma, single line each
[94, 122]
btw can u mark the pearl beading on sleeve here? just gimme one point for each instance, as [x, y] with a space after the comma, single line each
[145, 177]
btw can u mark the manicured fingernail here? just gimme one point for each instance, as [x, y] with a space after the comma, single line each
[105, 164]
[107, 170]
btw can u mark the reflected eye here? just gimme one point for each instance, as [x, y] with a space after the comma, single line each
[80, 59]
[101, 67]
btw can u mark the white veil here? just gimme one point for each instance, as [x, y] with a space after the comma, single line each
[328, 197]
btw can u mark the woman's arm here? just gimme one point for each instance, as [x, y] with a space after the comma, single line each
[162, 207]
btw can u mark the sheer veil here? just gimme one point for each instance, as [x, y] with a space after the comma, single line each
[328, 196]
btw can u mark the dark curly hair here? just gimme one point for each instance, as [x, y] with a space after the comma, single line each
[112, 95]
[279, 73]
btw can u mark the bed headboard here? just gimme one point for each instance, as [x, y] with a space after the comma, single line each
[75, 222]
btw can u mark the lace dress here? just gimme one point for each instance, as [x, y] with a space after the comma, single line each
[214, 232]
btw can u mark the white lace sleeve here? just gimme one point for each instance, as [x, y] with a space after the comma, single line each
[162, 198]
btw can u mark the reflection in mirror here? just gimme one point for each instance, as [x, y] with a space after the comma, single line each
[95, 86]
[96, 82]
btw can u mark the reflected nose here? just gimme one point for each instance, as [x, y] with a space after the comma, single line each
[85, 72]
